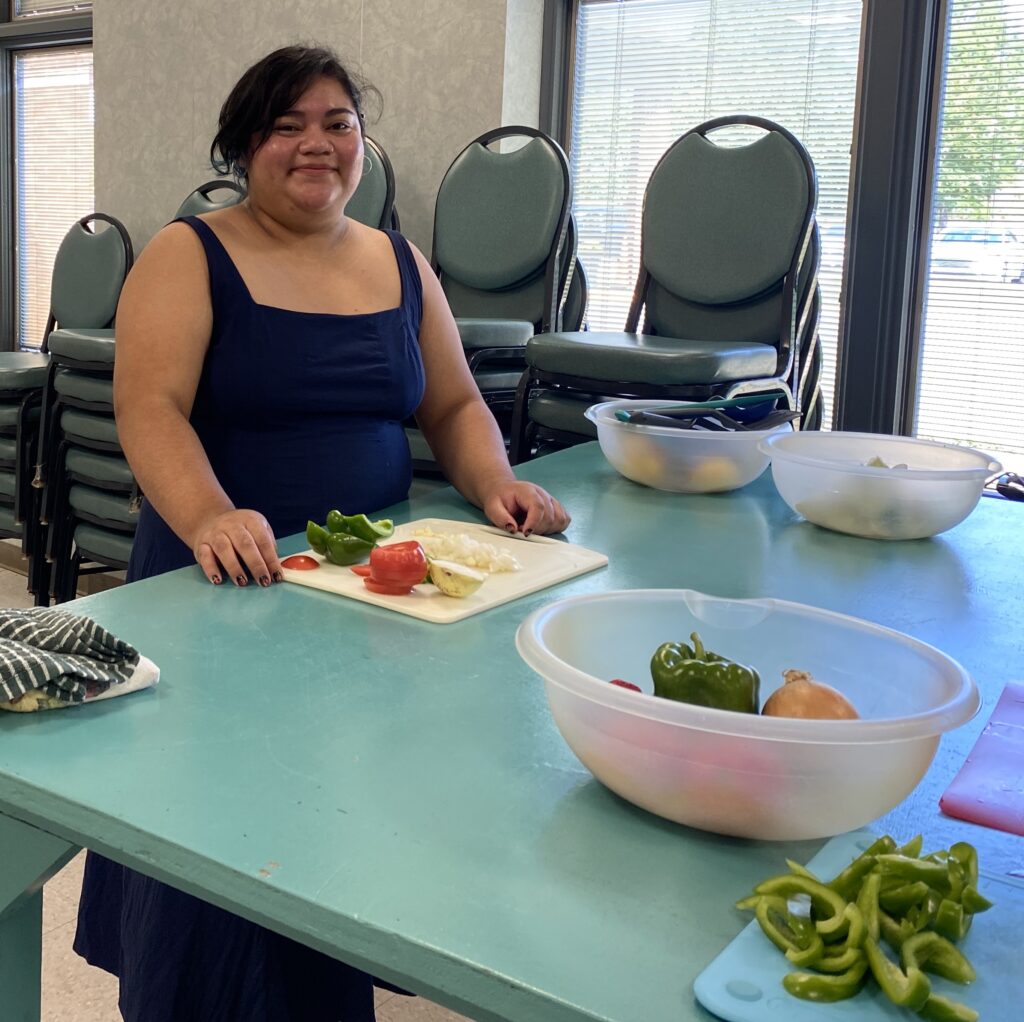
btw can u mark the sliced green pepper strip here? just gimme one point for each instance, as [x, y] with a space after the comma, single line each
[967, 855]
[867, 902]
[800, 871]
[828, 905]
[811, 949]
[941, 1009]
[893, 932]
[840, 961]
[908, 989]
[951, 921]
[912, 849]
[899, 900]
[692, 674]
[932, 953]
[973, 901]
[810, 986]
[912, 870]
[849, 880]
[750, 902]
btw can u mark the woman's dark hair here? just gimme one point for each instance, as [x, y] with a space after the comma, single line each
[265, 91]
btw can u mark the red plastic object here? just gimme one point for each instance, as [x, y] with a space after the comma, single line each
[990, 786]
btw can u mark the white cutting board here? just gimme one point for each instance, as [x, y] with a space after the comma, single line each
[545, 562]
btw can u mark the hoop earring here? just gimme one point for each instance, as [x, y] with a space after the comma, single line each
[367, 165]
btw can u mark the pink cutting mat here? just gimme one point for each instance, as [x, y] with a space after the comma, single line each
[990, 786]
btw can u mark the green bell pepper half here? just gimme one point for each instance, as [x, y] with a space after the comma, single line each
[344, 549]
[693, 674]
[372, 532]
[316, 537]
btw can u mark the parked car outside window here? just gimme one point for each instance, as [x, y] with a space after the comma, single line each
[983, 251]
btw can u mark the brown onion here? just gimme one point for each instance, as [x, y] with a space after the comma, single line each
[802, 696]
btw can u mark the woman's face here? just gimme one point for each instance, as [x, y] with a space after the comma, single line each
[313, 157]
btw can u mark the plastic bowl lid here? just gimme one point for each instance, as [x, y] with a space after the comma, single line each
[603, 414]
[958, 709]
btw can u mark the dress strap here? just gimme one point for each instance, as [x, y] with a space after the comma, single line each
[222, 269]
[412, 284]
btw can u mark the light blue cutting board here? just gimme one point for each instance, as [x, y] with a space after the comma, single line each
[744, 983]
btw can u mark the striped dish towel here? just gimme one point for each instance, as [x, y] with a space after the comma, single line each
[50, 659]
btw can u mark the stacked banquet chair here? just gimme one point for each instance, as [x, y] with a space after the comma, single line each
[726, 301]
[209, 196]
[90, 498]
[78, 462]
[373, 202]
[505, 257]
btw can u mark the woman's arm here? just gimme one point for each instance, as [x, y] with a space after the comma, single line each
[462, 432]
[164, 320]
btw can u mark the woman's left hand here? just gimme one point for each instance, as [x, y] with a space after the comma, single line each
[518, 506]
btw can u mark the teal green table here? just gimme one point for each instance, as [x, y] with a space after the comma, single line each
[395, 792]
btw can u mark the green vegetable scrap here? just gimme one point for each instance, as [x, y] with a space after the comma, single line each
[918, 905]
[347, 539]
[693, 674]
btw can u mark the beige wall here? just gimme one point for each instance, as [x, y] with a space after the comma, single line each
[447, 69]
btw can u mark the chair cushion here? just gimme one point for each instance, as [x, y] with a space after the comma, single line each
[8, 484]
[83, 345]
[557, 411]
[641, 358]
[102, 545]
[22, 370]
[489, 378]
[84, 387]
[494, 333]
[99, 469]
[8, 526]
[75, 423]
[113, 507]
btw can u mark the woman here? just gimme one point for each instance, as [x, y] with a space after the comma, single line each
[268, 355]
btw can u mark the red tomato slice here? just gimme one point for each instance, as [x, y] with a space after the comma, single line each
[361, 569]
[387, 588]
[300, 562]
[398, 564]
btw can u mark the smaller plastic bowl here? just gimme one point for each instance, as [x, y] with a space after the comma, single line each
[772, 778]
[679, 460]
[825, 477]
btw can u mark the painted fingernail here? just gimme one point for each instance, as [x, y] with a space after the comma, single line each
[527, 532]
[278, 577]
[264, 581]
[241, 580]
[510, 527]
[215, 579]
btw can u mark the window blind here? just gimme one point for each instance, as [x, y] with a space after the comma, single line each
[971, 376]
[53, 163]
[648, 70]
[50, 8]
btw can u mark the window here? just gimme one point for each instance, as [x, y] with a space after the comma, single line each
[971, 362]
[46, 148]
[647, 70]
[53, 162]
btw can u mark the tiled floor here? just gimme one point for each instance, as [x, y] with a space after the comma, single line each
[75, 992]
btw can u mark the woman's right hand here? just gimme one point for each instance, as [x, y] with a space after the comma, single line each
[236, 542]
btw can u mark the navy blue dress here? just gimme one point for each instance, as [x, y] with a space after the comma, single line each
[299, 413]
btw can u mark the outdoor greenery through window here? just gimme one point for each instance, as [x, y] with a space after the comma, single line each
[972, 356]
[648, 70]
[53, 164]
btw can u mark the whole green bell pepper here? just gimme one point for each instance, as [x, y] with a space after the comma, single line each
[693, 674]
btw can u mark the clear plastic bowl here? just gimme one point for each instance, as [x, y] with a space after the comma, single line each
[825, 477]
[771, 778]
[679, 460]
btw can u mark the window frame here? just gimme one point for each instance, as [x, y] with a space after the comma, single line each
[892, 166]
[22, 34]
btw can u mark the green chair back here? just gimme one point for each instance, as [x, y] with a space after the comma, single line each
[499, 228]
[209, 196]
[88, 273]
[373, 203]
